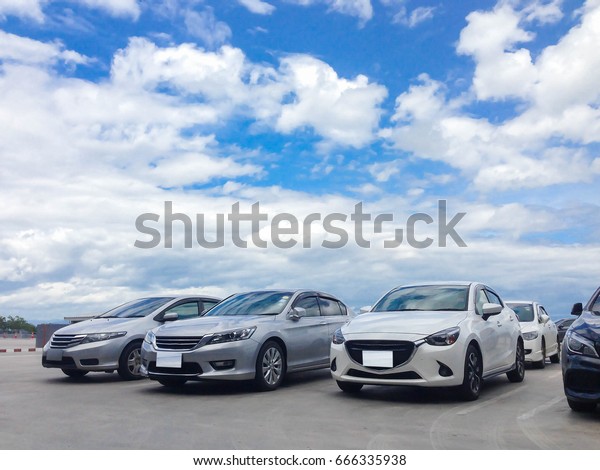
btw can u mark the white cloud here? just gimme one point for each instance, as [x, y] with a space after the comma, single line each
[258, 6]
[28, 9]
[343, 111]
[361, 9]
[25, 50]
[204, 25]
[122, 8]
[544, 143]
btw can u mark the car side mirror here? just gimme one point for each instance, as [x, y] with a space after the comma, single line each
[171, 316]
[365, 309]
[490, 309]
[297, 313]
[577, 309]
[544, 318]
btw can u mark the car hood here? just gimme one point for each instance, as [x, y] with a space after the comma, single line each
[414, 323]
[101, 325]
[208, 325]
[587, 325]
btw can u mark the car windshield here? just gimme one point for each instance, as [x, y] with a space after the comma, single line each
[252, 303]
[438, 298]
[137, 308]
[523, 311]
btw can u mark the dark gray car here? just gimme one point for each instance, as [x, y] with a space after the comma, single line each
[258, 336]
[112, 341]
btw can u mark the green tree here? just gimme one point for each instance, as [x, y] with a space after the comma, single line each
[15, 323]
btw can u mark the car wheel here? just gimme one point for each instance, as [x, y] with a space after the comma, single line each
[472, 381]
[349, 387]
[270, 366]
[518, 373]
[541, 364]
[581, 405]
[174, 382]
[75, 373]
[130, 362]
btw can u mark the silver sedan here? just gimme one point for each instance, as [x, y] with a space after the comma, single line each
[258, 336]
[112, 341]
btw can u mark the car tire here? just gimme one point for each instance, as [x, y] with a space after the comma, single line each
[270, 367]
[581, 405]
[74, 373]
[349, 387]
[518, 373]
[172, 382]
[541, 364]
[472, 381]
[130, 362]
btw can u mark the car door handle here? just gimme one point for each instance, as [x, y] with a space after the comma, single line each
[323, 323]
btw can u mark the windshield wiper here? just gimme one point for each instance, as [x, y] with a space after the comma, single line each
[448, 310]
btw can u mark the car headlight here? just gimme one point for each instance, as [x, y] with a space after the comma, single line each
[530, 335]
[338, 337]
[444, 337]
[92, 338]
[235, 335]
[577, 344]
[150, 337]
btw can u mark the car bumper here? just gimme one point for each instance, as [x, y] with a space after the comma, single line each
[97, 356]
[581, 377]
[429, 366]
[534, 346]
[206, 362]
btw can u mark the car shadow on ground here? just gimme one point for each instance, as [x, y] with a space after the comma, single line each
[230, 387]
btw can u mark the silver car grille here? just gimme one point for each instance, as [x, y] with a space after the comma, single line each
[177, 342]
[66, 341]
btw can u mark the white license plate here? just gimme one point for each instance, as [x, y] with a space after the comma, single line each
[168, 359]
[54, 355]
[378, 358]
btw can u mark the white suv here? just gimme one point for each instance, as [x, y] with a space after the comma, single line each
[430, 335]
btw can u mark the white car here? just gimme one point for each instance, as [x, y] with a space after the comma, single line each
[539, 332]
[430, 335]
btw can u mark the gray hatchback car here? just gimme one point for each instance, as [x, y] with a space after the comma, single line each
[112, 341]
[260, 336]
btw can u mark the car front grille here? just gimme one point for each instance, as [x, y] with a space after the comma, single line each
[66, 341]
[179, 343]
[402, 350]
[409, 375]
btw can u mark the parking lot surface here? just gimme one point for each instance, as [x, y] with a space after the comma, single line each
[43, 409]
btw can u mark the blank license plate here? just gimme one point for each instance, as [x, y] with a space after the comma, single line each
[168, 359]
[378, 358]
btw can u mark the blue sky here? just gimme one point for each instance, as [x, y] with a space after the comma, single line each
[109, 108]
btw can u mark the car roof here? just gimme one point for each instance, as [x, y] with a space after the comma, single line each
[443, 283]
[293, 291]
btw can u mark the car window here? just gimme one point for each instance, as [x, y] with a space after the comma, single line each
[309, 304]
[480, 300]
[542, 311]
[343, 308]
[596, 305]
[329, 307]
[208, 304]
[494, 299]
[524, 311]
[252, 303]
[185, 310]
[137, 308]
[424, 298]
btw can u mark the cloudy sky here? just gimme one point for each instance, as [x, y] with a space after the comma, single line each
[110, 108]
